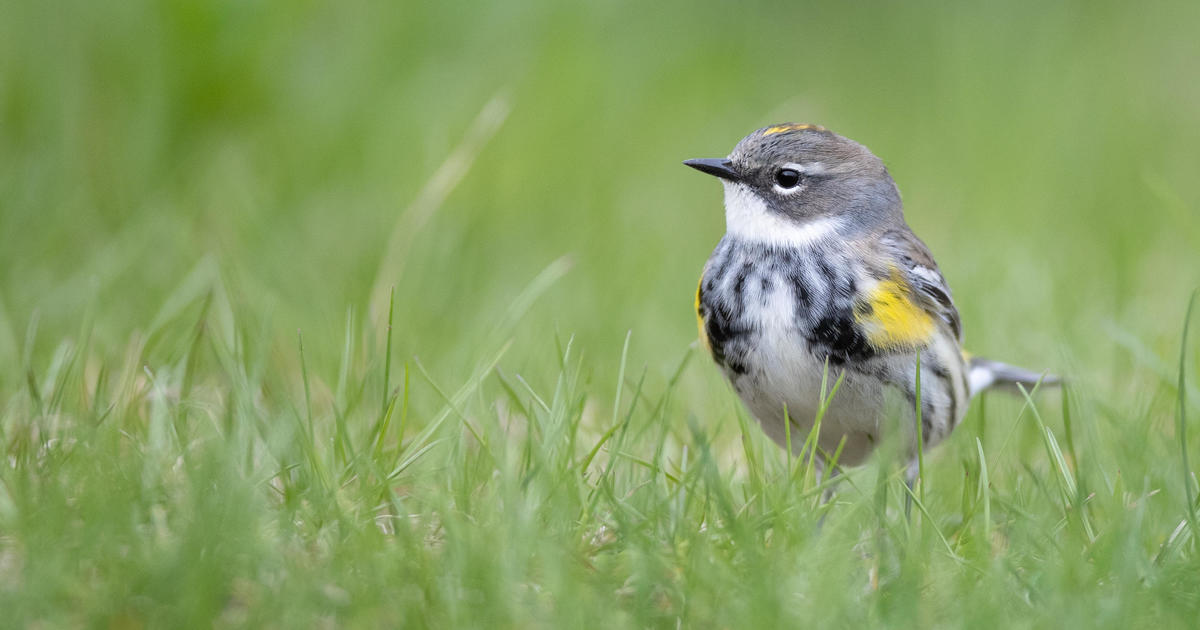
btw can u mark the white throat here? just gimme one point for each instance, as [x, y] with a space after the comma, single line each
[747, 217]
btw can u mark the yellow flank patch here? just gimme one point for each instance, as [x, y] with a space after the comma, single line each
[791, 127]
[699, 319]
[890, 319]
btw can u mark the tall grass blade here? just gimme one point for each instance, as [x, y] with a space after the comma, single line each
[433, 194]
[985, 492]
[387, 352]
[1189, 492]
[920, 431]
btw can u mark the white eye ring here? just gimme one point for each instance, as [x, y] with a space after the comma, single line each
[800, 171]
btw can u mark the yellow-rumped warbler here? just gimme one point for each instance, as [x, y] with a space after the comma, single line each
[818, 268]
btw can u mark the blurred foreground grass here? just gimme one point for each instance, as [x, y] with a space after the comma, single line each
[185, 185]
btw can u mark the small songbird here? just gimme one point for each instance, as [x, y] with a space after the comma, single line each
[818, 276]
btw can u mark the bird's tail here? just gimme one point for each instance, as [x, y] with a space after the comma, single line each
[984, 374]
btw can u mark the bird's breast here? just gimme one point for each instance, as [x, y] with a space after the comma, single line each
[753, 294]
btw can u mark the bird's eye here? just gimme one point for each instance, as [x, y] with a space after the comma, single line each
[787, 178]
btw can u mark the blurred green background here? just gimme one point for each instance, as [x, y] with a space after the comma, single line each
[1047, 154]
[186, 184]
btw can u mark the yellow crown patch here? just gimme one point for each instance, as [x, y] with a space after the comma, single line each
[791, 127]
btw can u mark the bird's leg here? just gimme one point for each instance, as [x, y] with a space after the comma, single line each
[827, 494]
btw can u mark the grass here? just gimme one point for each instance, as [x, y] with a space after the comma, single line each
[347, 315]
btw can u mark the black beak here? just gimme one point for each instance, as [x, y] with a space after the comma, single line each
[720, 167]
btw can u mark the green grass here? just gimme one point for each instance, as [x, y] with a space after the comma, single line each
[329, 314]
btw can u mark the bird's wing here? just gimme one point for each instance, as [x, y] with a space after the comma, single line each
[910, 298]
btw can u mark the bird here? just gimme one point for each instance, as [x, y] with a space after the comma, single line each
[819, 281]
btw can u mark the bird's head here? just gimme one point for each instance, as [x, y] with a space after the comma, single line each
[791, 183]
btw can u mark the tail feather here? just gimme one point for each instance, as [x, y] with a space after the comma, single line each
[984, 374]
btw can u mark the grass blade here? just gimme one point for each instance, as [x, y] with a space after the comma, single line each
[920, 432]
[985, 492]
[434, 193]
[1189, 493]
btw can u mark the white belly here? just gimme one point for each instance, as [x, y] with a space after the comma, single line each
[787, 375]
[784, 372]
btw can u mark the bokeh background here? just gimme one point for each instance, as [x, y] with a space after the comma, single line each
[1047, 154]
[513, 170]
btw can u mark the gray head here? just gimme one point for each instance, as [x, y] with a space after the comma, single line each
[791, 181]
